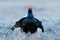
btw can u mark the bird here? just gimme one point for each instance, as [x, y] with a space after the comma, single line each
[29, 23]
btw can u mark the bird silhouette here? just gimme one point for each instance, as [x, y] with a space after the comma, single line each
[29, 23]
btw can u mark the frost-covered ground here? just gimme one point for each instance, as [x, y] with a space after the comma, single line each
[47, 11]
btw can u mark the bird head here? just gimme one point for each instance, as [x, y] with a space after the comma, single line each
[30, 10]
[30, 15]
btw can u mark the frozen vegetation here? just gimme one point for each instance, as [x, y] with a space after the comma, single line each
[47, 11]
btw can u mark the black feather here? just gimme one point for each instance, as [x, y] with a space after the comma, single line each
[29, 23]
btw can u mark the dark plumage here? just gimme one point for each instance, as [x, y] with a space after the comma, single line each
[29, 23]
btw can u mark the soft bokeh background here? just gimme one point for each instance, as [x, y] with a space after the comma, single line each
[47, 11]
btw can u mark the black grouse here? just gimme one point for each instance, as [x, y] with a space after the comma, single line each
[29, 23]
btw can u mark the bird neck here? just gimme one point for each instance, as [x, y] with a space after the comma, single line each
[30, 15]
